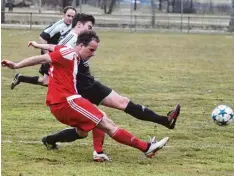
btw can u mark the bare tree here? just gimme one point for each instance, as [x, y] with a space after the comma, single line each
[135, 5]
[108, 6]
[232, 18]
[3, 11]
[153, 7]
[160, 4]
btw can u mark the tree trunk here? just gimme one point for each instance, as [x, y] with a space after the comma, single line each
[111, 7]
[74, 3]
[135, 5]
[168, 6]
[232, 18]
[160, 5]
[153, 7]
[3, 11]
[105, 6]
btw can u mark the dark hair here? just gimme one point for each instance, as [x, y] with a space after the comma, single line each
[86, 37]
[83, 18]
[68, 8]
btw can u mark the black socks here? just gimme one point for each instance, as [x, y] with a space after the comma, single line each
[29, 79]
[143, 113]
[66, 135]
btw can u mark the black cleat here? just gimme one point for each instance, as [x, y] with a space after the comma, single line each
[172, 116]
[53, 146]
[15, 81]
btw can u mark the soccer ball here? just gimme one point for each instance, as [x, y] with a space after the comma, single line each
[222, 115]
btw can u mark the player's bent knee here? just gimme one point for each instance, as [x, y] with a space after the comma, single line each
[107, 125]
[82, 134]
[45, 81]
[124, 102]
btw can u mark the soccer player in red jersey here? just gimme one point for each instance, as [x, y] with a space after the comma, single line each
[68, 106]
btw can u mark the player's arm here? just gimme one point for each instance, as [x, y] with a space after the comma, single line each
[42, 41]
[48, 47]
[34, 60]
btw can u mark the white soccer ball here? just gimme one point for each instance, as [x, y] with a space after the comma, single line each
[222, 115]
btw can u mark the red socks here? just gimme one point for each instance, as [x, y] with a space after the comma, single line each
[98, 139]
[124, 137]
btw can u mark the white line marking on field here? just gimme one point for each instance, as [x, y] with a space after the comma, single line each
[80, 143]
[18, 33]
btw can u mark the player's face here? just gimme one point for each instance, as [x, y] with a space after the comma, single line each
[68, 16]
[87, 52]
[87, 26]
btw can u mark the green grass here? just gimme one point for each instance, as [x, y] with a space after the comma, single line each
[155, 70]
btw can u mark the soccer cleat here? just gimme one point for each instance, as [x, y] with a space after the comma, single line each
[172, 116]
[155, 146]
[100, 157]
[15, 81]
[53, 146]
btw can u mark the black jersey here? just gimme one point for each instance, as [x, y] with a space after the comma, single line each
[85, 79]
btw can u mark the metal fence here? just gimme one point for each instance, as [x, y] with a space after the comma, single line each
[158, 22]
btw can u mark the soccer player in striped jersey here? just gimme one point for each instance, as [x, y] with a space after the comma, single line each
[51, 35]
[68, 106]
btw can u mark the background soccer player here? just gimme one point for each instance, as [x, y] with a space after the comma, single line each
[51, 35]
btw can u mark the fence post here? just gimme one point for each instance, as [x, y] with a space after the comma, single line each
[2, 11]
[181, 14]
[135, 22]
[131, 26]
[39, 4]
[188, 24]
[30, 21]
[80, 4]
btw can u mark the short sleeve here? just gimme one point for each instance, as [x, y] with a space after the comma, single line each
[58, 47]
[52, 30]
[55, 56]
[62, 54]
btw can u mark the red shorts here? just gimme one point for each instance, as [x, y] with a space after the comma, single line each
[79, 113]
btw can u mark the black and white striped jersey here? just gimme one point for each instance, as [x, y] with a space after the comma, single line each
[85, 78]
[69, 40]
[53, 33]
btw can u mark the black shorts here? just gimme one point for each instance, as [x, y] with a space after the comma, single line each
[44, 69]
[95, 93]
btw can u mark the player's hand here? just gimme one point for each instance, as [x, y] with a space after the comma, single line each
[32, 43]
[9, 64]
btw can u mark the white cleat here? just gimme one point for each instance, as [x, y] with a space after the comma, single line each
[155, 146]
[100, 157]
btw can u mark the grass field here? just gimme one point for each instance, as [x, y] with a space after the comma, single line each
[155, 70]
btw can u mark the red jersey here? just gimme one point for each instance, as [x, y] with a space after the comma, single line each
[62, 78]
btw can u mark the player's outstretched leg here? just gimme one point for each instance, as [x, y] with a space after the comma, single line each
[144, 113]
[138, 111]
[124, 137]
